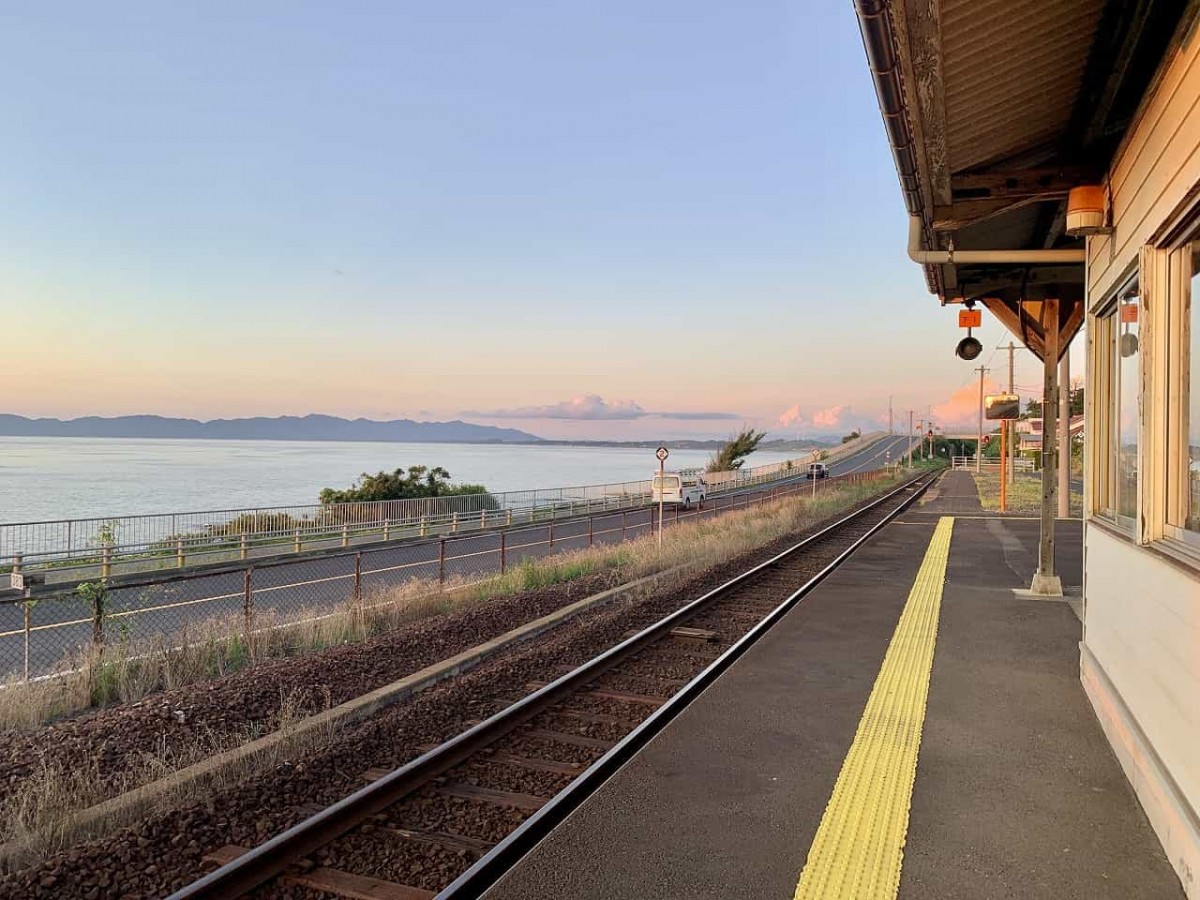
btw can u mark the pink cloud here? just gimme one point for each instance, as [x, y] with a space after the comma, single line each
[835, 419]
[961, 409]
[829, 418]
[593, 407]
[791, 416]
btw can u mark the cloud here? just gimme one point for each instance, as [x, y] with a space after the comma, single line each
[593, 407]
[829, 418]
[961, 409]
[834, 418]
[791, 416]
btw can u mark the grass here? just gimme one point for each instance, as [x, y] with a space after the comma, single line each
[40, 817]
[128, 669]
[1024, 496]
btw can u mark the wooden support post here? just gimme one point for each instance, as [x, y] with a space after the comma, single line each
[551, 547]
[98, 600]
[248, 610]
[503, 552]
[105, 563]
[1045, 582]
[244, 546]
[28, 610]
[179, 559]
[442, 561]
[357, 595]
[622, 525]
[591, 529]
[296, 541]
[345, 535]
[1064, 436]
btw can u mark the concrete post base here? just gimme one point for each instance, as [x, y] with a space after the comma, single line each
[1046, 585]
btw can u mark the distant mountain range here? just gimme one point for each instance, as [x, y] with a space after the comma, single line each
[260, 428]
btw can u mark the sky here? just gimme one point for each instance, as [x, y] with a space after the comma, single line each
[618, 220]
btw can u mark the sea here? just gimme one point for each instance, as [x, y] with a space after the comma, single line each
[46, 479]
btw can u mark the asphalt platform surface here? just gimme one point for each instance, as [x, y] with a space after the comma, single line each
[1017, 793]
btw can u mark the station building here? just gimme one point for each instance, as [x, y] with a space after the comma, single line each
[1049, 157]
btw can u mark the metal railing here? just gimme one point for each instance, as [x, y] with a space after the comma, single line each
[990, 464]
[73, 549]
[38, 634]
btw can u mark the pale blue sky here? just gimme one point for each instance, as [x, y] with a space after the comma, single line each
[418, 209]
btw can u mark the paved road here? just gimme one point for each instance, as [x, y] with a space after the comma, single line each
[288, 590]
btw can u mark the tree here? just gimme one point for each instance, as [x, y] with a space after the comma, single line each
[1076, 400]
[418, 481]
[1033, 406]
[734, 451]
[853, 435]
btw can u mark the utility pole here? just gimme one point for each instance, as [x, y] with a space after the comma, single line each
[979, 446]
[921, 436]
[1012, 437]
[910, 441]
[891, 430]
[1008, 434]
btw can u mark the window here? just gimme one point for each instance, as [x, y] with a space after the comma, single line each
[1104, 479]
[1117, 421]
[1127, 420]
[1183, 417]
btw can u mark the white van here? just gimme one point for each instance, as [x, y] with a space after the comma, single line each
[684, 488]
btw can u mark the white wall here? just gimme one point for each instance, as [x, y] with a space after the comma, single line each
[1140, 660]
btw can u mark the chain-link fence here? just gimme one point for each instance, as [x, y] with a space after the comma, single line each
[75, 549]
[261, 600]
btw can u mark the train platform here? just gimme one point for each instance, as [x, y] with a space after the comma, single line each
[796, 767]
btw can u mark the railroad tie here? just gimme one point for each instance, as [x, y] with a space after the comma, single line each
[464, 791]
[332, 881]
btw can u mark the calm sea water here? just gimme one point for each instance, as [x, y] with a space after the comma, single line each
[69, 478]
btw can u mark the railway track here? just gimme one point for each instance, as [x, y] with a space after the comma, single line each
[449, 823]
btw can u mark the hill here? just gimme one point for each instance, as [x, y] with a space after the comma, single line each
[261, 428]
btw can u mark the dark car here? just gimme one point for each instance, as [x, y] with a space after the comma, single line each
[818, 470]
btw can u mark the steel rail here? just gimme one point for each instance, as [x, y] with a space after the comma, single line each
[271, 858]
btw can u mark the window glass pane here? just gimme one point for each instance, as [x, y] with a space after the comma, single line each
[1192, 359]
[1103, 478]
[1126, 366]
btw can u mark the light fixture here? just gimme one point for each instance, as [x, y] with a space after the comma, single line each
[1085, 211]
[968, 348]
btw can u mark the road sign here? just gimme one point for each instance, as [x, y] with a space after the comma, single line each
[23, 581]
[987, 439]
[970, 318]
[662, 453]
[816, 454]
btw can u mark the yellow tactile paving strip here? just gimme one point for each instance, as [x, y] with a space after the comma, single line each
[859, 846]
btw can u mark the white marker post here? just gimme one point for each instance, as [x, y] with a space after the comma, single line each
[662, 453]
[816, 454]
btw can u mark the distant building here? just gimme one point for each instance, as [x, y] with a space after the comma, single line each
[1029, 433]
